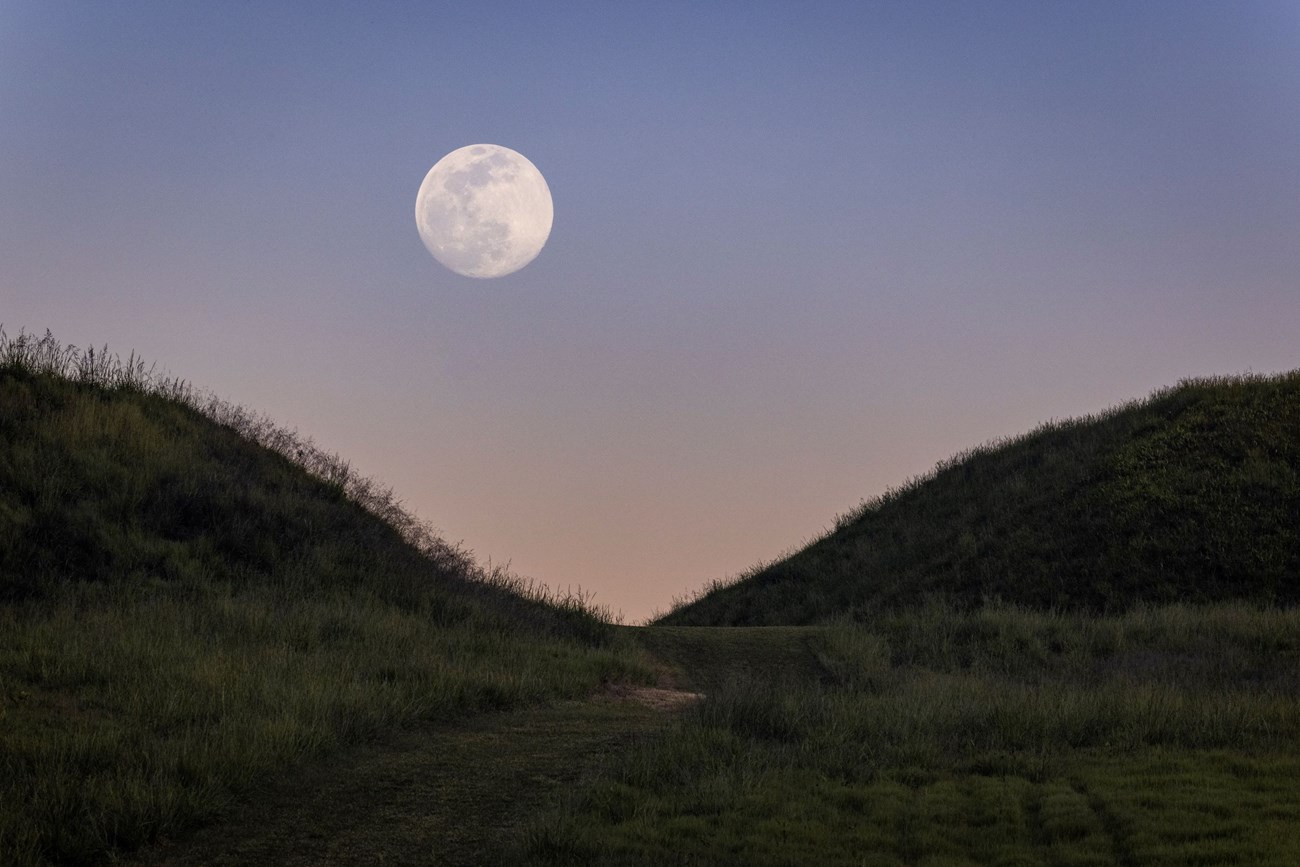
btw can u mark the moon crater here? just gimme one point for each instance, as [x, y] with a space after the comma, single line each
[484, 211]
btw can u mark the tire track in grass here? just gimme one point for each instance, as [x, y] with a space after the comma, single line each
[1113, 824]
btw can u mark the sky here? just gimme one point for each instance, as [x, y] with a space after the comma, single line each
[801, 251]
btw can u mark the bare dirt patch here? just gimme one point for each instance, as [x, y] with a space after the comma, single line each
[655, 697]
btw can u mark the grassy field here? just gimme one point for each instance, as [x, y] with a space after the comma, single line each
[453, 795]
[1192, 495]
[130, 715]
[1002, 736]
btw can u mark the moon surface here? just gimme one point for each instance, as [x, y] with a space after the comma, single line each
[484, 211]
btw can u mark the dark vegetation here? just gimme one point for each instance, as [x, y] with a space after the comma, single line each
[192, 598]
[1192, 496]
[111, 474]
[452, 795]
[1071, 648]
[936, 736]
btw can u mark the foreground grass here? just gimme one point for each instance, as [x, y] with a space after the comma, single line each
[998, 736]
[453, 795]
[131, 715]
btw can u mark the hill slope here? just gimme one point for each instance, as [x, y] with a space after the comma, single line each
[185, 611]
[1192, 495]
[110, 476]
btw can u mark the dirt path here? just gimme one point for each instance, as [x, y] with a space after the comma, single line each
[453, 795]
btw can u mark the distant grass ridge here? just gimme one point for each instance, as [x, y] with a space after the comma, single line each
[192, 598]
[1192, 495]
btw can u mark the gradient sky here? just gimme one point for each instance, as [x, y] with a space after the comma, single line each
[801, 252]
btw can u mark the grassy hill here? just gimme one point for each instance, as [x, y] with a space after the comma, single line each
[192, 598]
[1192, 495]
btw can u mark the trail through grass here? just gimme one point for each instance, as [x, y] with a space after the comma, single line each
[126, 715]
[706, 658]
[452, 795]
[1165, 736]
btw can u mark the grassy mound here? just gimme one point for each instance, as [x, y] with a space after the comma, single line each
[192, 598]
[1192, 495]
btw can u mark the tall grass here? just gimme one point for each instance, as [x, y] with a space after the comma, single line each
[947, 684]
[130, 712]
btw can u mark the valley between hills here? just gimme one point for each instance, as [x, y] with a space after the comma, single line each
[222, 645]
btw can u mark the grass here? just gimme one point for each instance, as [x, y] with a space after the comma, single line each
[1191, 495]
[111, 473]
[1162, 736]
[708, 658]
[132, 715]
[451, 794]
[196, 604]
[192, 599]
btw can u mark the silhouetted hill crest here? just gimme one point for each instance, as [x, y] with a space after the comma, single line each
[110, 472]
[1191, 495]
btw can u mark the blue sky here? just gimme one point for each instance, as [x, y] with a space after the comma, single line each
[800, 253]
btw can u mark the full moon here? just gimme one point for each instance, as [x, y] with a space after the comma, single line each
[484, 211]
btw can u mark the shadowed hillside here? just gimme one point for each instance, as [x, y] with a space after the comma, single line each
[112, 475]
[1192, 495]
[193, 599]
